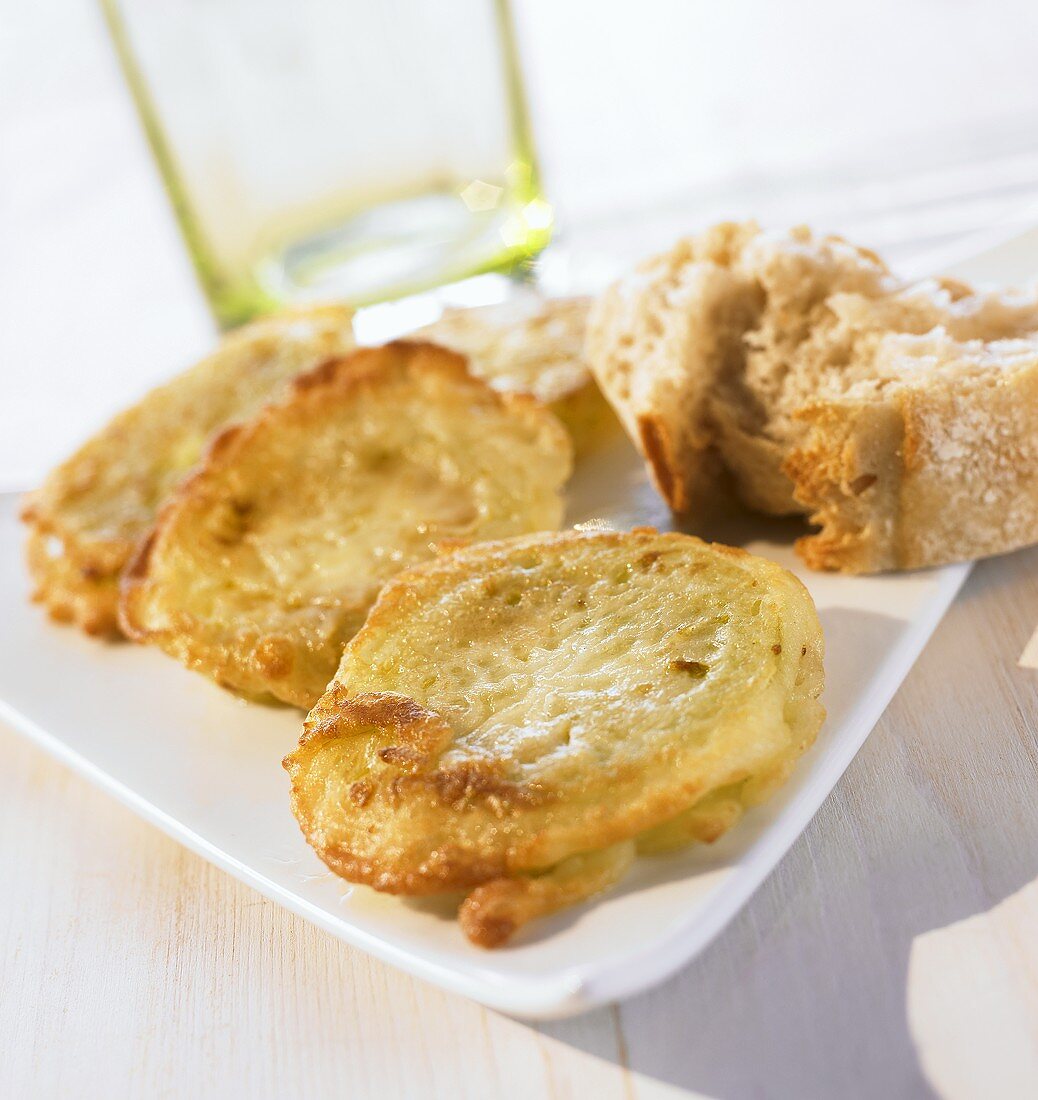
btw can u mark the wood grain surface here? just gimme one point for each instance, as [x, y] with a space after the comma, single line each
[133, 968]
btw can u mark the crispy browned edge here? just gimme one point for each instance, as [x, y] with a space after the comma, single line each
[484, 917]
[850, 473]
[422, 731]
[339, 376]
[418, 733]
[825, 479]
[81, 586]
[692, 479]
[659, 451]
[136, 572]
[77, 587]
[494, 911]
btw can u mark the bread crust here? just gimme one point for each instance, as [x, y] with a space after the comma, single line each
[265, 561]
[921, 475]
[896, 417]
[655, 346]
[516, 704]
[88, 517]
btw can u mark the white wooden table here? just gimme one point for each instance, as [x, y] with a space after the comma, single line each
[129, 967]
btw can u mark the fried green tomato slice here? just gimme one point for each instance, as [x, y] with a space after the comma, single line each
[88, 517]
[517, 719]
[266, 561]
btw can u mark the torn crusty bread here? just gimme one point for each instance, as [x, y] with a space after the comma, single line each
[516, 719]
[264, 562]
[900, 418]
[532, 345]
[95, 507]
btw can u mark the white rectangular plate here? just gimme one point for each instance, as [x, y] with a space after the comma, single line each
[204, 766]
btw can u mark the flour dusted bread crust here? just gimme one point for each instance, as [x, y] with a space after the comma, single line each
[266, 560]
[516, 719]
[924, 473]
[900, 418]
[532, 345]
[94, 508]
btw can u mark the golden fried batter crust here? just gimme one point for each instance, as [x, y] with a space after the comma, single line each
[89, 515]
[532, 345]
[515, 706]
[264, 563]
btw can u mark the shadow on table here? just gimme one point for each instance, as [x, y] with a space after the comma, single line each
[803, 996]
